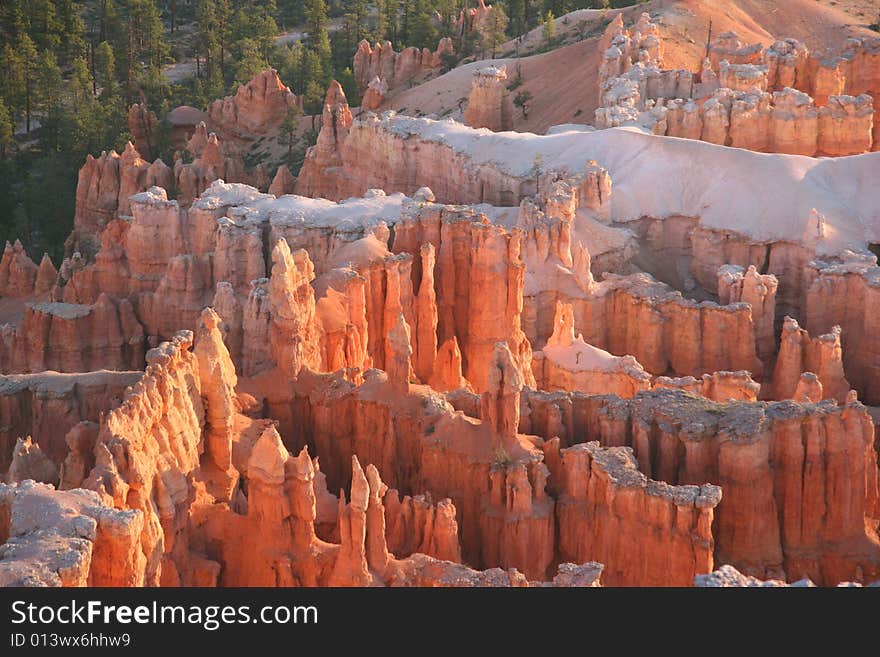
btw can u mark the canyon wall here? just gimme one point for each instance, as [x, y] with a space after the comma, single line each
[784, 99]
[395, 69]
[770, 459]
[489, 103]
[48, 405]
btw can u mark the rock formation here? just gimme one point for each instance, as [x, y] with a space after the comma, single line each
[256, 109]
[395, 69]
[783, 99]
[143, 125]
[460, 356]
[489, 103]
[374, 95]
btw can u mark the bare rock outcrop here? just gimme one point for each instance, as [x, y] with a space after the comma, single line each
[66, 538]
[489, 103]
[258, 108]
[143, 126]
[605, 503]
[395, 68]
[799, 353]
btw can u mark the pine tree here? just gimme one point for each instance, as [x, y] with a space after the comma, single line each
[549, 30]
[493, 31]
[319, 38]
[6, 130]
[422, 33]
[252, 61]
[349, 86]
[381, 20]
[517, 14]
[105, 68]
[26, 64]
[389, 11]
[49, 83]
[287, 132]
[80, 81]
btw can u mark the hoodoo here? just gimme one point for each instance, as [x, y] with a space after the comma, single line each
[600, 309]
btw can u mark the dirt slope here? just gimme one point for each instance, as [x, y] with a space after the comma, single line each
[562, 82]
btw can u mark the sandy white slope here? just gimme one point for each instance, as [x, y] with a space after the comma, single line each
[767, 196]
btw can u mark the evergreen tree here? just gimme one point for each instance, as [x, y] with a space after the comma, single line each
[422, 33]
[349, 86]
[6, 130]
[549, 31]
[252, 61]
[287, 132]
[379, 34]
[389, 20]
[289, 61]
[517, 14]
[49, 83]
[493, 31]
[23, 76]
[313, 99]
[80, 81]
[105, 68]
[319, 38]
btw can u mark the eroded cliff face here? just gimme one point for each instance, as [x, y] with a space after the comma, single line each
[784, 99]
[185, 490]
[769, 460]
[395, 69]
[376, 158]
[48, 406]
[606, 507]
[209, 481]
[69, 538]
[257, 108]
[557, 380]
[215, 149]
[489, 103]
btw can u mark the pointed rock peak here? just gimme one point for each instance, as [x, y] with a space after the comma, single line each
[335, 94]
[377, 486]
[303, 466]
[283, 182]
[281, 252]
[503, 372]
[400, 334]
[360, 488]
[424, 195]
[563, 326]
[268, 458]
[130, 152]
[210, 320]
[46, 266]
[104, 301]
[304, 264]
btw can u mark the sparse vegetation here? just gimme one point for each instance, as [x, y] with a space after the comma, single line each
[500, 457]
[522, 101]
[517, 80]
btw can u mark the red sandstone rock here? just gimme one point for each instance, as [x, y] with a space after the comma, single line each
[283, 182]
[374, 94]
[69, 538]
[257, 108]
[394, 68]
[489, 104]
[821, 355]
[604, 497]
[143, 125]
[18, 273]
[29, 462]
